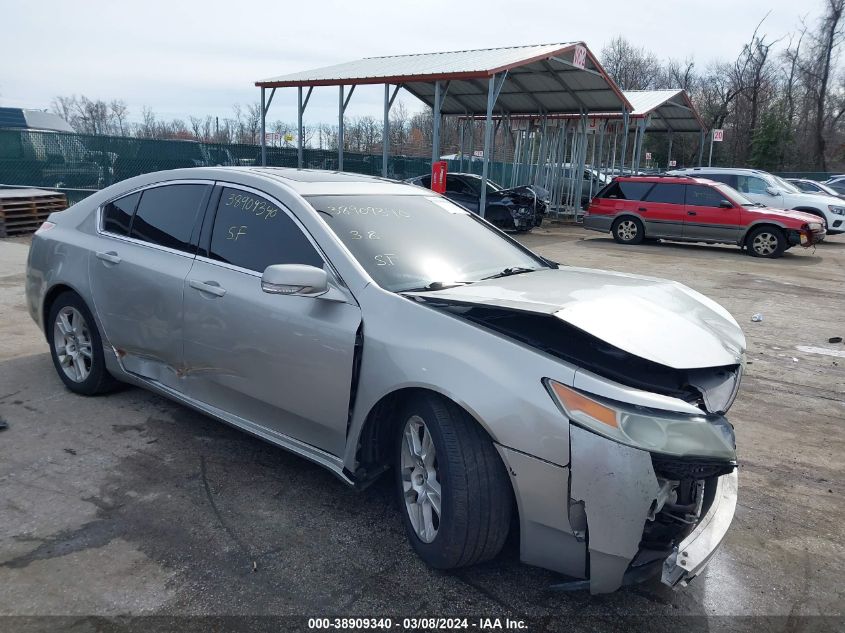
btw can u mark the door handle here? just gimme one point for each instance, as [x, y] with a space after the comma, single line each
[209, 287]
[691, 213]
[643, 209]
[110, 257]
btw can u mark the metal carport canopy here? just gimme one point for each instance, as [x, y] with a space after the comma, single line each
[540, 79]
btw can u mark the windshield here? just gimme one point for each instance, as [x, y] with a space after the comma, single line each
[475, 183]
[413, 242]
[786, 186]
[734, 195]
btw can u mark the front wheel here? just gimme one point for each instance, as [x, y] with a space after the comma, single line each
[454, 494]
[766, 241]
[628, 231]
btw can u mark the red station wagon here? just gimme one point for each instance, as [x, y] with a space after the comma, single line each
[686, 209]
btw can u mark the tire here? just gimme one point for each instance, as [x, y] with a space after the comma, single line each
[71, 328]
[628, 230]
[476, 498]
[766, 241]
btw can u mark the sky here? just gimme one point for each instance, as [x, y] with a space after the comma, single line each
[199, 57]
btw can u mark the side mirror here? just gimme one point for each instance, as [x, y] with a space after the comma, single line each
[295, 279]
[726, 204]
[773, 191]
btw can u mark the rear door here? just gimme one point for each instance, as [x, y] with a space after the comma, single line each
[662, 210]
[146, 245]
[281, 363]
[707, 220]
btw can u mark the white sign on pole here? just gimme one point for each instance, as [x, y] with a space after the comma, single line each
[271, 138]
[673, 163]
[718, 135]
[648, 155]
[579, 59]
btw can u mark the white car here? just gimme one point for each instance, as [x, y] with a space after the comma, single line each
[773, 191]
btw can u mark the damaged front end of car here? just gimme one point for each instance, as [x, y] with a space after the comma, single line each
[651, 477]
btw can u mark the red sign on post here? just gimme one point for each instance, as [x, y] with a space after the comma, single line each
[438, 176]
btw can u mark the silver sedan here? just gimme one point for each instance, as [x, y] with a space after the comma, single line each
[371, 326]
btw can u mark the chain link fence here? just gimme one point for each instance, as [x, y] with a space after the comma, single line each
[81, 164]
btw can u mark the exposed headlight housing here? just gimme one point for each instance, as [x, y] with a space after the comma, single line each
[662, 432]
[837, 210]
[814, 226]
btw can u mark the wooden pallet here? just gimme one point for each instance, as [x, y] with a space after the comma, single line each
[23, 210]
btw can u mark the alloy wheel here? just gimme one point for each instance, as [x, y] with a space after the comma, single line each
[420, 479]
[627, 230]
[72, 343]
[765, 243]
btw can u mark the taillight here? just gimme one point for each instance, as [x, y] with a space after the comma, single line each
[45, 226]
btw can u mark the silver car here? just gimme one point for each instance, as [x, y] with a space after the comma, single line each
[369, 325]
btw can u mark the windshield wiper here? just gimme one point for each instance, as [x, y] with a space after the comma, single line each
[437, 285]
[507, 272]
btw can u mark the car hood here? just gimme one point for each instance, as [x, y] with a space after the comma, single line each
[655, 319]
[817, 198]
[799, 216]
[530, 191]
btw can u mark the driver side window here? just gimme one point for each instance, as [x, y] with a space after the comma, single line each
[253, 232]
[751, 184]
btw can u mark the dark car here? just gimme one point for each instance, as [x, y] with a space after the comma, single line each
[515, 209]
[686, 209]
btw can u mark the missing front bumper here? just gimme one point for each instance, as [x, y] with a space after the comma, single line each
[690, 557]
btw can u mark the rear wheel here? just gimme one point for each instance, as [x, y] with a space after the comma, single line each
[454, 494]
[628, 231]
[76, 346]
[766, 241]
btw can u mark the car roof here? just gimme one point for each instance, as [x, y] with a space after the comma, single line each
[681, 179]
[725, 170]
[311, 181]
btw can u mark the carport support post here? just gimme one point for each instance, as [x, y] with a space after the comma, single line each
[669, 153]
[263, 129]
[710, 156]
[701, 148]
[624, 142]
[385, 132]
[299, 130]
[340, 129]
[488, 138]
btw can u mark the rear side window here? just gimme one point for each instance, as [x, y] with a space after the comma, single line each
[252, 232]
[625, 190]
[703, 196]
[166, 215]
[666, 193]
[117, 214]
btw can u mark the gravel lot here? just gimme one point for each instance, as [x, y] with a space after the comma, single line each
[131, 504]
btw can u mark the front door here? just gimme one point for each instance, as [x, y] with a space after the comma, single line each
[283, 364]
[756, 189]
[137, 273]
[707, 220]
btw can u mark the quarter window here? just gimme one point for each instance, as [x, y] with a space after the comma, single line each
[117, 214]
[666, 193]
[702, 196]
[166, 215]
[625, 190]
[252, 232]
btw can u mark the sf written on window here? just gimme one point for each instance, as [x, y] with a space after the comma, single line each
[252, 232]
